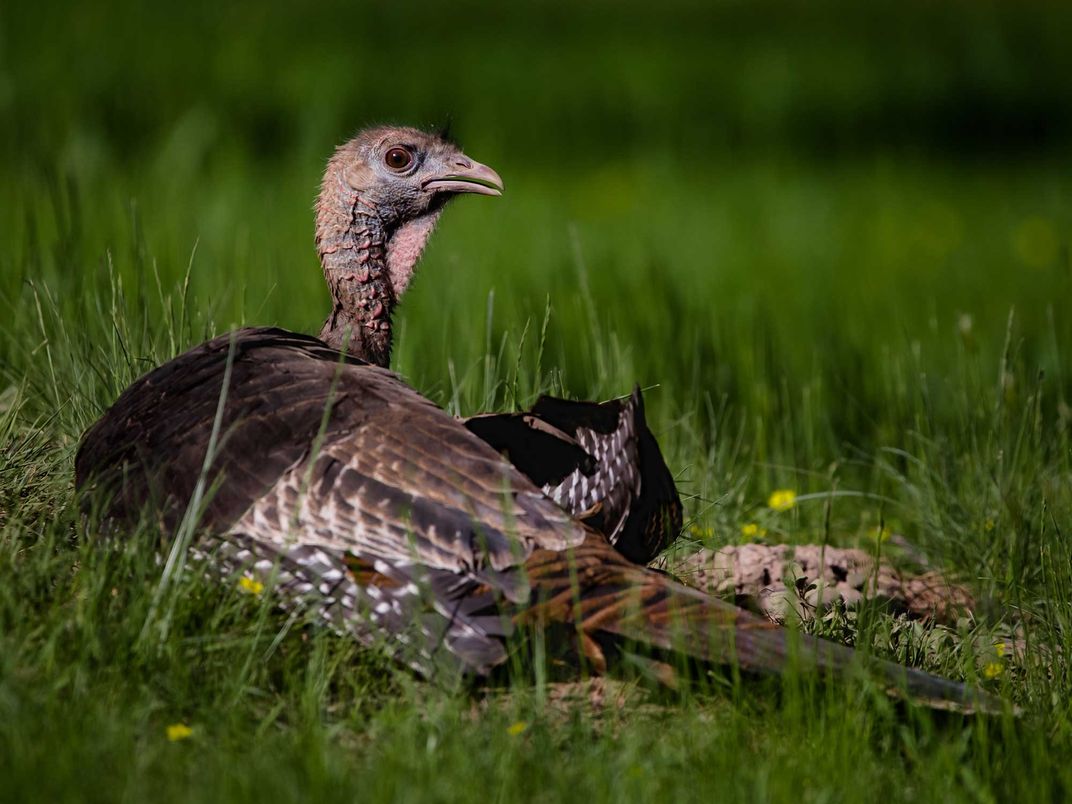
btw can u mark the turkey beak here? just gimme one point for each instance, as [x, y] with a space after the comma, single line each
[465, 176]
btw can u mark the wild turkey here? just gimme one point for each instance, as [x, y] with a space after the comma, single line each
[312, 468]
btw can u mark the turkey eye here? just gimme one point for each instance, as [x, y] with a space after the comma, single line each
[398, 158]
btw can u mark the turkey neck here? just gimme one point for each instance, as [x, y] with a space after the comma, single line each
[368, 261]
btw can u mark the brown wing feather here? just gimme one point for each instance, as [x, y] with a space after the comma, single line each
[381, 441]
[147, 451]
[320, 458]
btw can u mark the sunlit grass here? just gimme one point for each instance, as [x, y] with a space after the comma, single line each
[835, 346]
[972, 465]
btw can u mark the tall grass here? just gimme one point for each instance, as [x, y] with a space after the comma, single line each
[823, 277]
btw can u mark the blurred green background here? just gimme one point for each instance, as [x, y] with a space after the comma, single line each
[808, 223]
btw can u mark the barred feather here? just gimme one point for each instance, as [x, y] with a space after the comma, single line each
[599, 462]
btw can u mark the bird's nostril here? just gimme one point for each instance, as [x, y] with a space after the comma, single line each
[463, 163]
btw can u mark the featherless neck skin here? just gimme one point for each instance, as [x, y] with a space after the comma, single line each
[367, 263]
[379, 202]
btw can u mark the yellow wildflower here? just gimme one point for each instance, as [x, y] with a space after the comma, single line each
[1000, 649]
[988, 525]
[880, 534]
[178, 731]
[254, 587]
[753, 531]
[782, 499]
[993, 669]
[517, 728]
[702, 533]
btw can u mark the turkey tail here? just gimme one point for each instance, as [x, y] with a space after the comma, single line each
[599, 461]
[596, 591]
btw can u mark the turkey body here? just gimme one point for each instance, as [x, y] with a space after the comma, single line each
[325, 470]
[350, 493]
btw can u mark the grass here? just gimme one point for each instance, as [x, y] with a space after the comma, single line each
[837, 255]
